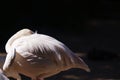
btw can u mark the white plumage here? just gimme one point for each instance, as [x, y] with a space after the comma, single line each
[38, 56]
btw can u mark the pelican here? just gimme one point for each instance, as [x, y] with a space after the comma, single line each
[38, 56]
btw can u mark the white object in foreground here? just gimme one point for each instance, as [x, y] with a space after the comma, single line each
[38, 56]
[2, 76]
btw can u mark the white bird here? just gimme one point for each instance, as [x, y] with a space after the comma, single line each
[38, 56]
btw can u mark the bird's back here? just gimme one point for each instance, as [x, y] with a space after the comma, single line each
[44, 54]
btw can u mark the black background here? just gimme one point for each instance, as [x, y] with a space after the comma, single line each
[88, 23]
[83, 25]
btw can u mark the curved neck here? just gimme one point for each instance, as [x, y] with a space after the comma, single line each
[21, 33]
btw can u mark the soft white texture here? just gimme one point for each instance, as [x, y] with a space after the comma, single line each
[38, 56]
